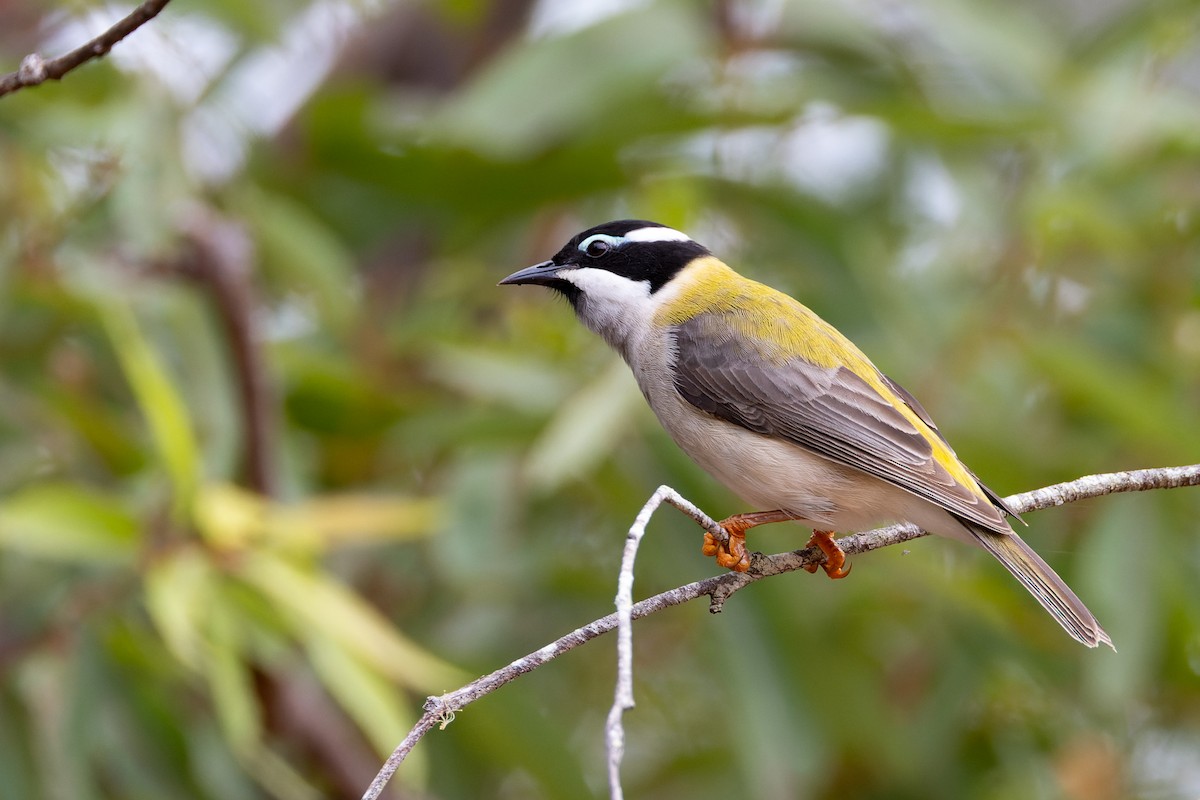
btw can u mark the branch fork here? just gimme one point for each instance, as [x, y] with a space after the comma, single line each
[439, 711]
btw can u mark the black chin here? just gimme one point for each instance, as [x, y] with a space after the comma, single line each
[566, 289]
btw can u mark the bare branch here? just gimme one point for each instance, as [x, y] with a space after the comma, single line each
[623, 699]
[614, 728]
[35, 70]
[720, 587]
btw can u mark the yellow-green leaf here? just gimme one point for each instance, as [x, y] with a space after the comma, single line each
[318, 601]
[178, 595]
[356, 517]
[161, 404]
[585, 430]
[68, 522]
[372, 702]
[229, 682]
[232, 518]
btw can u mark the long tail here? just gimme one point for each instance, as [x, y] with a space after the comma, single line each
[1044, 584]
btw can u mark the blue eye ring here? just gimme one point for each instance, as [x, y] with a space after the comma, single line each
[598, 244]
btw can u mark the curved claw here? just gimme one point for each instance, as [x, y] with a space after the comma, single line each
[836, 573]
[731, 554]
[835, 557]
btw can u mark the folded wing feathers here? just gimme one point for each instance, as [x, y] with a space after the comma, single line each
[832, 412]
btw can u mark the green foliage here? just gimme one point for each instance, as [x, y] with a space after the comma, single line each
[998, 201]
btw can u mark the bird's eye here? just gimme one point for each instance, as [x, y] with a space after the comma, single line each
[596, 246]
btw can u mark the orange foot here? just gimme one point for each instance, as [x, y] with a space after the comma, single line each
[732, 554]
[835, 557]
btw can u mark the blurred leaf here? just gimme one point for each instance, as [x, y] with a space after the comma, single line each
[229, 681]
[230, 517]
[520, 382]
[1103, 386]
[476, 545]
[68, 521]
[648, 41]
[1127, 527]
[369, 699]
[259, 22]
[328, 396]
[233, 518]
[102, 430]
[46, 686]
[159, 401]
[330, 520]
[15, 762]
[585, 430]
[279, 777]
[179, 589]
[301, 254]
[318, 601]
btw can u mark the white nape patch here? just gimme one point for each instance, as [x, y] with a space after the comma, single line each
[613, 306]
[654, 234]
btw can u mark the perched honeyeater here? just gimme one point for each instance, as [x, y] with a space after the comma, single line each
[780, 407]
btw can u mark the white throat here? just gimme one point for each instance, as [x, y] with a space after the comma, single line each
[615, 307]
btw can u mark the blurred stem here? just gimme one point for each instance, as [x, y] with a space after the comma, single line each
[440, 711]
[221, 259]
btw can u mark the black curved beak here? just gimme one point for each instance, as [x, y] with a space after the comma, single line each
[543, 274]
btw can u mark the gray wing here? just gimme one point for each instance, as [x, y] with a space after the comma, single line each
[831, 412]
[918, 409]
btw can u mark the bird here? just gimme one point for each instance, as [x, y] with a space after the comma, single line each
[781, 408]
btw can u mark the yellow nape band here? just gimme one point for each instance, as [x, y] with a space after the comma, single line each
[780, 326]
[781, 329]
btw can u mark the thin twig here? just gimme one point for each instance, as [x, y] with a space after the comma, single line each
[35, 70]
[720, 587]
[623, 695]
[614, 729]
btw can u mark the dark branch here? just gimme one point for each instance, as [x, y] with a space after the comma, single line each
[221, 258]
[720, 587]
[35, 70]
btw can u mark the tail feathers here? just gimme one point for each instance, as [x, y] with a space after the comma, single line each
[1044, 584]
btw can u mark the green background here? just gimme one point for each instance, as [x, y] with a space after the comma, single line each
[998, 201]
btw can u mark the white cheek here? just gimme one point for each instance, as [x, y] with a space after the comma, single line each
[606, 288]
[614, 307]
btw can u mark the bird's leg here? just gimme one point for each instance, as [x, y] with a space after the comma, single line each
[732, 554]
[835, 557]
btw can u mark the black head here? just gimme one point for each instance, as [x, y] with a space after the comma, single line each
[636, 249]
